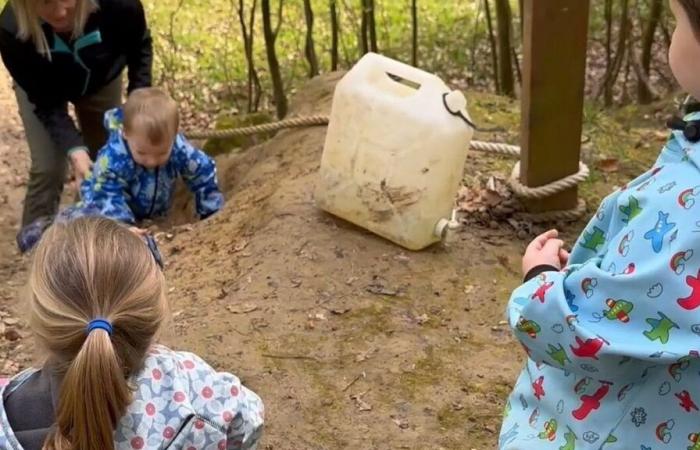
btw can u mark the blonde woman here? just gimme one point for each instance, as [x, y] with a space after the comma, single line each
[69, 51]
[97, 302]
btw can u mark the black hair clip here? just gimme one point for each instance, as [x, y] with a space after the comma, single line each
[153, 247]
[690, 128]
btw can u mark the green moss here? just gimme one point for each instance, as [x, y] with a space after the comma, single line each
[450, 418]
[374, 319]
[429, 371]
[218, 146]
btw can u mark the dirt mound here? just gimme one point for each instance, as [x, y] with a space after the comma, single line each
[351, 341]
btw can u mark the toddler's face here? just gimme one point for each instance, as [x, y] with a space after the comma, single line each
[146, 153]
[684, 53]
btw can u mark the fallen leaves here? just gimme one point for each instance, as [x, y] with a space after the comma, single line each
[494, 194]
[608, 165]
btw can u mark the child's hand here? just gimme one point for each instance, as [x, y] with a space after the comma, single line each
[563, 257]
[545, 249]
[140, 232]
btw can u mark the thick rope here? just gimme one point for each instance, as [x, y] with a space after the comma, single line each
[294, 122]
[513, 151]
[547, 190]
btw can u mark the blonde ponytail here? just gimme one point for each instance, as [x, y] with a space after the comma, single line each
[94, 396]
[90, 269]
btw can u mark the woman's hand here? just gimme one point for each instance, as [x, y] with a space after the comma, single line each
[82, 164]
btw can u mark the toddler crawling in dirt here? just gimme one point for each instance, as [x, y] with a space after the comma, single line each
[135, 172]
[613, 340]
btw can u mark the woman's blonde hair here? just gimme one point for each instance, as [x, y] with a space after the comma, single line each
[153, 112]
[29, 24]
[87, 269]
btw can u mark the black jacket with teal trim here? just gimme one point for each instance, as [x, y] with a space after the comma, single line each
[116, 36]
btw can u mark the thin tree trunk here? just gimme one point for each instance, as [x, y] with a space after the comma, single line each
[256, 77]
[414, 40]
[666, 34]
[309, 48]
[625, 97]
[254, 89]
[472, 48]
[608, 33]
[492, 39]
[372, 26]
[521, 11]
[364, 23]
[270, 38]
[334, 35]
[613, 70]
[642, 77]
[644, 94]
[504, 21]
[516, 63]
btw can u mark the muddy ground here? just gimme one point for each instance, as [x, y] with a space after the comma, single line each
[351, 341]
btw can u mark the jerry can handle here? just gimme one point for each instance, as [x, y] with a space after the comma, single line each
[449, 99]
[396, 71]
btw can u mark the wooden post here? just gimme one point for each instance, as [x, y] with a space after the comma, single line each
[554, 59]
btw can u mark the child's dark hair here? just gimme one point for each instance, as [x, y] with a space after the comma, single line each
[692, 9]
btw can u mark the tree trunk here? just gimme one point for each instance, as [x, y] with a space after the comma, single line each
[372, 26]
[492, 40]
[665, 33]
[521, 10]
[309, 48]
[644, 94]
[613, 70]
[334, 35]
[608, 34]
[516, 63]
[254, 88]
[472, 47]
[364, 23]
[642, 77]
[504, 19]
[270, 35]
[414, 40]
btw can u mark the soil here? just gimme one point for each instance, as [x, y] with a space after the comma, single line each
[351, 341]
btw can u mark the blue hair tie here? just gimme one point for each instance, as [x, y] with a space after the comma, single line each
[99, 324]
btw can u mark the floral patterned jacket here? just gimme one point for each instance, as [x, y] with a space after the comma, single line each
[179, 402]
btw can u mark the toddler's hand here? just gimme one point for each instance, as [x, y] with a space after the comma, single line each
[563, 257]
[140, 232]
[545, 249]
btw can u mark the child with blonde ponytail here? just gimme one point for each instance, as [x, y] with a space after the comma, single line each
[97, 302]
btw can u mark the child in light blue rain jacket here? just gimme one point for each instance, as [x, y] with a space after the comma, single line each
[135, 173]
[97, 302]
[613, 339]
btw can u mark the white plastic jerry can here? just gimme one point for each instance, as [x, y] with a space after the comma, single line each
[395, 151]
